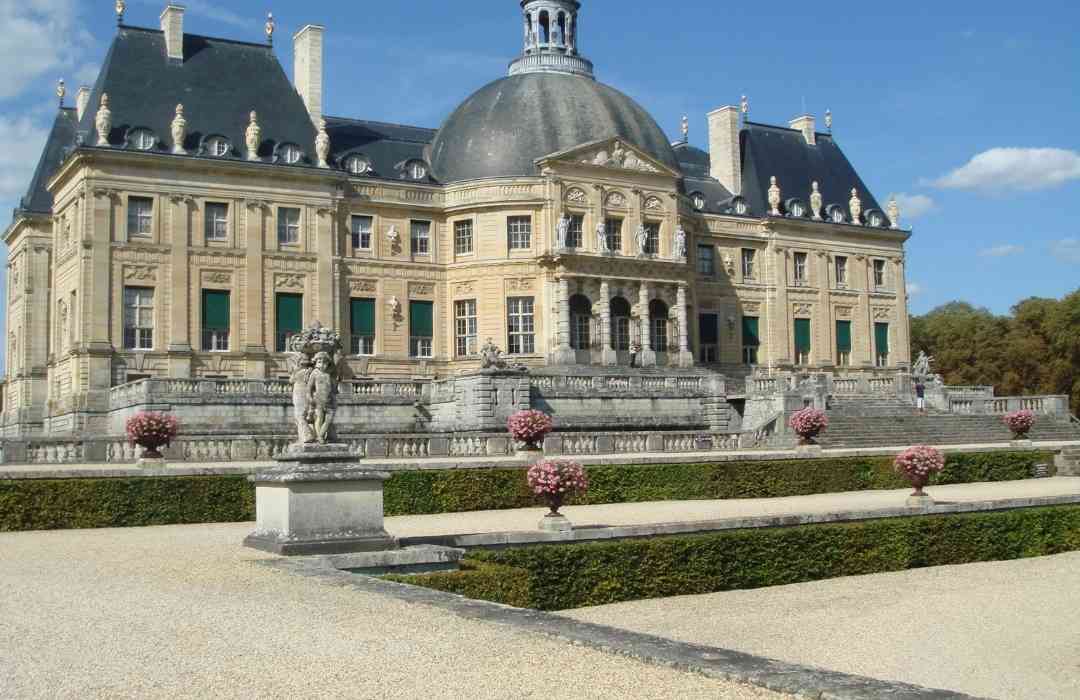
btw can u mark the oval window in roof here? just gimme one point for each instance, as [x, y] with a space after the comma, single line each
[738, 205]
[836, 214]
[142, 139]
[699, 200]
[217, 146]
[796, 208]
[290, 153]
[416, 169]
[358, 165]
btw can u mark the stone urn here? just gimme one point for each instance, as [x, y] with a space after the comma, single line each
[554, 521]
[919, 498]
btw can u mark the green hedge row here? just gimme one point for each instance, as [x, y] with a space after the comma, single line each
[86, 503]
[560, 577]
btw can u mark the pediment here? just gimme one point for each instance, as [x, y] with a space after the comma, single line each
[610, 154]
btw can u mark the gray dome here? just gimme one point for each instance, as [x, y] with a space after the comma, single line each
[505, 126]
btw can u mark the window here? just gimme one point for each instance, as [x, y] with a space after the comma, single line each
[288, 226]
[709, 338]
[739, 206]
[875, 218]
[358, 165]
[748, 268]
[362, 326]
[290, 154]
[706, 260]
[879, 274]
[217, 221]
[416, 170]
[463, 237]
[658, 325]
[843, 343]
[575, 236]
[580, 322]
[142, 139]
[140, 216]
[796, 208]
[699, 200]
[421, 328]
[620, 324]
[217, 146]
[138, 318]
[289, 319]
[802, 341]
[465, 331]
[750, 340]
[519, 232]
[841, 271]
[881, 344]
[837, 215]
[800, 270]
[522, 340]
[420, 236]
[613, 229]
[652, 238]
[215, 320]
[360, 228]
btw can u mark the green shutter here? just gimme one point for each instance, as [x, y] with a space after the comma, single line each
[421, 319]
[709, 329]
[843, 336]
[362, 312]
[750, 331]
[802, 335]
[215, 310]
[290, 313]
[881, 338]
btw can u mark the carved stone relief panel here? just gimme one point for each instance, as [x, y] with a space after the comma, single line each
[140, 273]
[363, 286]
[803, 310]
[421, 289]
[462, 289]
[616, 199]
[217, 277]
[575, 195]
[843, 311]
[882, 313]
[751, 307]
[288, 281]
[654, 204]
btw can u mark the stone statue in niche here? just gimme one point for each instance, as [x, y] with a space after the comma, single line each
[680, 242]
[491, 356]
[322, 391]
[642, 239]
[562, 231]
[299, 375]
[601, 238]
[313, 364]
[921, 368]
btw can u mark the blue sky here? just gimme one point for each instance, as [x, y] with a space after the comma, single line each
[967, 110]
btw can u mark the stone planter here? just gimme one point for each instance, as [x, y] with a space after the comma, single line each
[1023, 442]
[530, 453]
[808, 450]
[555, 522]
[918, 497]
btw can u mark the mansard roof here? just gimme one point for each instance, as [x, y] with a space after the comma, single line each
[219, 82]
[388, 147]
[61, 138]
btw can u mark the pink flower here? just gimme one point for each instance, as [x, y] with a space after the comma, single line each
[808, 422]
[529, 426]
[557, 476]
[1020, 422]
[152, 430]
[920, 461]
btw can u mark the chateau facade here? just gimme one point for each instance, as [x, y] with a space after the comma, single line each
[195, 208]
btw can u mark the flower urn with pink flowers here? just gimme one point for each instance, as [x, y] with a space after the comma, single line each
[529, 427]
[1020, 423]
[556, 480]
[918, 464]
[808, 424]
[151, 431]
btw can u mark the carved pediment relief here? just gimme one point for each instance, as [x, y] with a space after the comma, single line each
[613, 154]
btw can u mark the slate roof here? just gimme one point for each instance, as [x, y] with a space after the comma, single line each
[61, 139]
[219, 83]
[387, 146]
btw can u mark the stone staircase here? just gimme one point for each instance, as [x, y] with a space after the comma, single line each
[881, 429]
[859, 406]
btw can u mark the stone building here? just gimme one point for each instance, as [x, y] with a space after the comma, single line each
[195, 208]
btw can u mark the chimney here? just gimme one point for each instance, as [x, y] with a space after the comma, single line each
[725, 160]
[805, 124]
[82, 98]
[172, 25]
[308, 68]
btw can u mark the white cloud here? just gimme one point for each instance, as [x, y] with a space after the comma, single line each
[205, 9]
[912, 206]
[1001, 251]
[914, 289]
[21, 141]
[1066, 250]
[41, 39]
[1014, 168]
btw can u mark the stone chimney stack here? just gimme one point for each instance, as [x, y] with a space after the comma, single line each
[172, 25]
[82, 98]
[308, 68]
[725, 159]
[806, 125]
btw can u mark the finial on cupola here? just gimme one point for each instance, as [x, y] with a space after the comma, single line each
[103, 121]
[828, 120]
[774, 196]
[61, 90]
[744, 107]
[253, 137]
[270, 25]
[121, 6]
[685, 129]
[894, 212]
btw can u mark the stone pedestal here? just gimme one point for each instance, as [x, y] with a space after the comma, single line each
[812, 451]
[151, 462]
[319, 500]
[555, 523]
[923, 501]
[1022, 444]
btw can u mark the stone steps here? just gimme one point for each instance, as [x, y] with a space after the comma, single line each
[943, 429]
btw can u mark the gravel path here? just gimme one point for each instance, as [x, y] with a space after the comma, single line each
[1001, 629]
[185, 612]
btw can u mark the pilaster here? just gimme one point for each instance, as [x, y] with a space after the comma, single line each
[608, 356]
[648, 355]
[686, 358]
[254, 340]
[564, 354]
[179, 238]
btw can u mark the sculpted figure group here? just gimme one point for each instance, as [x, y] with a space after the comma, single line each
[313, 359]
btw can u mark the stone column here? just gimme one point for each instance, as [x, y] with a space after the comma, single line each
[866, 314]
[607, 353]
[570, 39]
[903, 327]
[781, 339]
[564, 354]
[180, 345]
[647, 357]
[827, 354]
[686, 358]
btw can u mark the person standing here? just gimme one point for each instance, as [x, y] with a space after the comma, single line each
[920, 396]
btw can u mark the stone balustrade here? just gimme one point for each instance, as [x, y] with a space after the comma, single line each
[1000, 405]
[263, 391]
[770, 435]
[626, 385]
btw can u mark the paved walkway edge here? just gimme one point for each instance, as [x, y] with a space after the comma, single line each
[713, 662]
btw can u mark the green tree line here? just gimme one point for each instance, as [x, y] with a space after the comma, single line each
[1033, 350]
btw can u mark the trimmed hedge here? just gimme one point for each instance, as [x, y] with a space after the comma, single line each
[30, 504]
[561, 577]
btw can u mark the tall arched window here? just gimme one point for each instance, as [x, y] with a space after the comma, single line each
[580, 322]
[620, 323]
[658, 325]
[545, 27]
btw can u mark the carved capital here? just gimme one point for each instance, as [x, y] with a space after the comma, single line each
[258, 204]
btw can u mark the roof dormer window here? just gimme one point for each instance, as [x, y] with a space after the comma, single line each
[358, 165]
[835, 213]
[796, 208]
[141, 139]
[875, 218]
[416, 170]
[290, 154]
[699, 200]
[738, 205]
[217, 146]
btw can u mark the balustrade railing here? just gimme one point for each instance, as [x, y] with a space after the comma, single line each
[165, 390]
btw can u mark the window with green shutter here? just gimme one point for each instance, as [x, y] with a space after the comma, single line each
[421, 328]
[289, 318]
[362, 326]
[750, 339]
[802, 341]
[881, 344]
[843, 343]
[215, 320]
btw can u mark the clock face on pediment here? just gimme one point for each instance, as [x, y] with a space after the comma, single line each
[610, 154]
